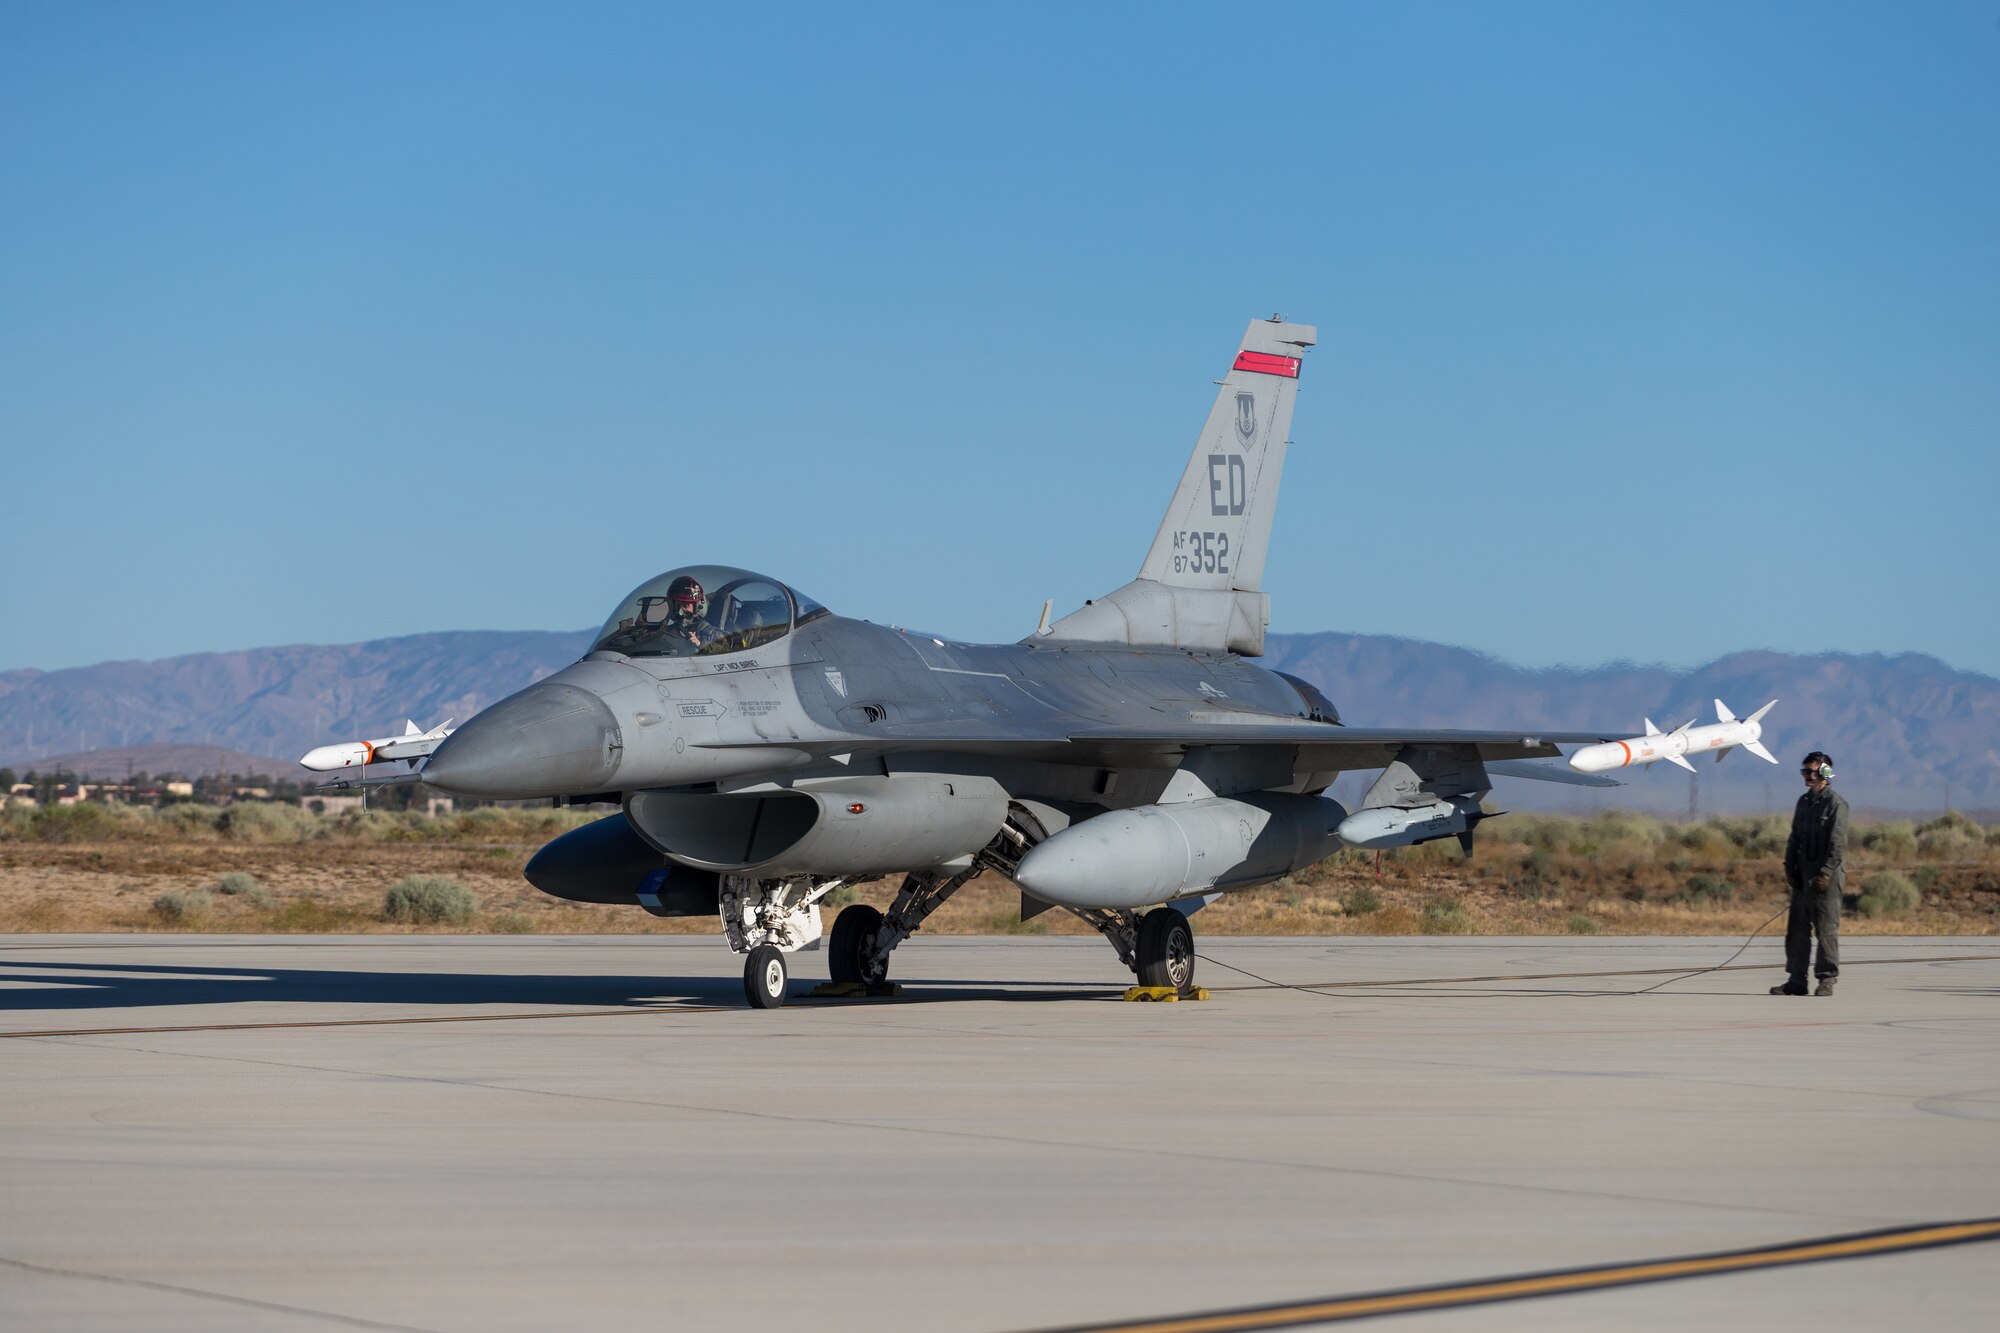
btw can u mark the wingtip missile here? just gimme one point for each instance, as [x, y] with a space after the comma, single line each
[412, 745]
[1674, 746]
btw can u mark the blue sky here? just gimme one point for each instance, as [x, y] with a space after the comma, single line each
[1647, 332]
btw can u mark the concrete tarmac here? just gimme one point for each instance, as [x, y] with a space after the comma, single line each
[602, 1136]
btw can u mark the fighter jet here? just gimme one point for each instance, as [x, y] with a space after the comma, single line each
[1128, 762]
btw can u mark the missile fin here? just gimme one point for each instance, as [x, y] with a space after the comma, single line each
[1682, 727]
[1758, 716]
[410, 727]
[1722, 713]
[1674, 758]
[1651, 730]
[1723, 753]
[1757, 748]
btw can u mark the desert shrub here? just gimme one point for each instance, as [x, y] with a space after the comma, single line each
[1896, 841]
[484, 824]
[1886, 893]
[1614, 827]
[180, 909]
[1950, 834]
[1754, 836]
[1706, 889]
[236, 882]
[186, 818]
[1579, 924]
[1443, 916]
[429, 899]
[513, 923]
[841, 897]
[1924, 877]
[1542, 833]
[1363, 901]
[82, 822]
[264, 821]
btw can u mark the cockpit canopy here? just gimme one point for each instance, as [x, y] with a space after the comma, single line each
[700, 610]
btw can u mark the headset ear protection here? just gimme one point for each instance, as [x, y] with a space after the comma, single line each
[1823, 769]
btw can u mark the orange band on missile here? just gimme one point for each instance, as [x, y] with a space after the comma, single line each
[1628, 753]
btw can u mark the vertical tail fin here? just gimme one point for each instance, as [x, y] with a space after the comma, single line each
[1201, 585]
[1218, 528]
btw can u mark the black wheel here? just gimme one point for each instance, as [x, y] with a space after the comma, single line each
[764, 977]
[853, 937]
[1166, 949]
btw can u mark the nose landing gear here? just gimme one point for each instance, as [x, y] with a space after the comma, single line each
[765, 978]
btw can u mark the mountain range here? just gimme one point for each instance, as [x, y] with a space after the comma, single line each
[1907, 732]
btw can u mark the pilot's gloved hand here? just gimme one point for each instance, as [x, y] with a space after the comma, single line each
[1822, 881]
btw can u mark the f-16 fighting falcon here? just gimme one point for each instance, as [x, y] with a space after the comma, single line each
[1126, 762]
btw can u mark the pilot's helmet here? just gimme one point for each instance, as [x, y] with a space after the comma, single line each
[686, 600]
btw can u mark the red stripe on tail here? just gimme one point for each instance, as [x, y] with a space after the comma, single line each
[1264, 363]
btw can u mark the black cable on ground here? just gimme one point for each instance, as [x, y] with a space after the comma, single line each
[1719, 966]
[1282, 985]
[1683, 976]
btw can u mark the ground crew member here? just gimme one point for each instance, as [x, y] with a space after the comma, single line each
[1815, 870]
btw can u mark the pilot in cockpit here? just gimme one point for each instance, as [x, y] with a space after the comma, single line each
[687, 612]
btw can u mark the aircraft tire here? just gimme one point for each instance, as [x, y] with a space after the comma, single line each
[853, 936]
[1166, 949]
[765, 981]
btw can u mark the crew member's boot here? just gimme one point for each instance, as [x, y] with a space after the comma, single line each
[1825, 986]
[1796, 986]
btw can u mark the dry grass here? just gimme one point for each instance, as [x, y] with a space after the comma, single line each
[1531, 875]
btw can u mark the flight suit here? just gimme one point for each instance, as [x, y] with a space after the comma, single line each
[1815, 869]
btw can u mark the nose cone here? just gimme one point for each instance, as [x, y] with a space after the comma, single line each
[548, 740]
[1595, 758]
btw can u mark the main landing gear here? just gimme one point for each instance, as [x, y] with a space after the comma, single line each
[1166, 949]
[1158, 946]
[863, 938]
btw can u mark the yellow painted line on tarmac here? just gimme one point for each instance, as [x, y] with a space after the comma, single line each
[1486, 1291]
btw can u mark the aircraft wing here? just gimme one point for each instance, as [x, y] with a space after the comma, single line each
[1320, 746]
[1492, 745]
